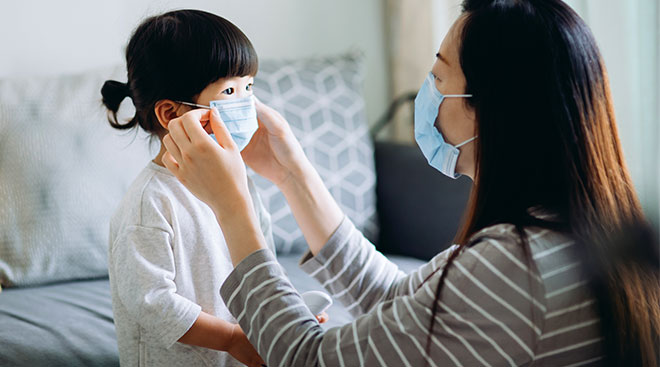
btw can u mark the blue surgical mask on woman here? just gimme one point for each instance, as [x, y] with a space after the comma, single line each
[239, 115]
[440, 154]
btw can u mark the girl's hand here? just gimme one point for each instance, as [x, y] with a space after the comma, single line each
[214, 172]
[241, 349]
[274, 152]
[322, 318]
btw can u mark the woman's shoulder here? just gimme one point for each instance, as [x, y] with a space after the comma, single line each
[528, 240]
[499, 254]
[505, 253]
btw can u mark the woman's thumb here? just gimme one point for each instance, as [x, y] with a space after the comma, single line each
[222, 134]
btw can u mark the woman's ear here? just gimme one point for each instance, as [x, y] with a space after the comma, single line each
[166, 110]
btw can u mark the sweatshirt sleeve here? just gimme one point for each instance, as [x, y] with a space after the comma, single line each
[472, 326]
[143, 270]
[354, 272]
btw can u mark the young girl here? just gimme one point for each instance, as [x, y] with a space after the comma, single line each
[167, 256]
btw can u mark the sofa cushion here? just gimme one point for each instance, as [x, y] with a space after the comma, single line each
[63, 170]
[322, 101]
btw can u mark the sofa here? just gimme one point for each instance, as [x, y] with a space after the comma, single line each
[63, 171]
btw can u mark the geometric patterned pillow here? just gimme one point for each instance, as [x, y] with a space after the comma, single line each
[323, 102]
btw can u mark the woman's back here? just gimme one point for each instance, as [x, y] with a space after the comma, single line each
[502, 305]
[557, 307]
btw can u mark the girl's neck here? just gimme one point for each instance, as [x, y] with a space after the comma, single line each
[159, 158]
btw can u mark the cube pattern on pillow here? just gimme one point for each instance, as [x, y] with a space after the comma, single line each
[322, 101]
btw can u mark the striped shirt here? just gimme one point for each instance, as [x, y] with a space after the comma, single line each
[497, 307]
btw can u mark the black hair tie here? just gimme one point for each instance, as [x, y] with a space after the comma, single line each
[113, 93]
[125, 89]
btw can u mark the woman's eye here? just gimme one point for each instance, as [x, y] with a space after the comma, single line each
[248, 87]
[228, 91]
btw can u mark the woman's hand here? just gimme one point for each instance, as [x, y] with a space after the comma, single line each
[214, 172]
[274, 152]
[241, 349]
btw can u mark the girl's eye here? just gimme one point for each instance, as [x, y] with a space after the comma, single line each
[228, 91]
[248, 87]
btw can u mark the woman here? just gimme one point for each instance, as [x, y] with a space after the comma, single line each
[518, 100]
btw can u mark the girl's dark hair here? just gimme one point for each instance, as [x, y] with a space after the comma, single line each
[548, 139]
[175, 56]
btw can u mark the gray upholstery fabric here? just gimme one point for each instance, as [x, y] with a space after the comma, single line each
[419, 208]
[70, 324]
[322, 100]
[63, 170]
[66, 324]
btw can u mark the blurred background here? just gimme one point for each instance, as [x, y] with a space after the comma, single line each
[397, 37]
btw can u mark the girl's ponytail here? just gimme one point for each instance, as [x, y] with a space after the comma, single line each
[114, 93]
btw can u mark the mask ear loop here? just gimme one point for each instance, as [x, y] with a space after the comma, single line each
[463, 96]
[467, 141]
[194, 104]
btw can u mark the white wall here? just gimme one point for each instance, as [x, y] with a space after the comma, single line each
[67, 36]
[628, 35]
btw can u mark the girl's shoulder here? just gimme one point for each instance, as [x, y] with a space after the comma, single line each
[147, 201]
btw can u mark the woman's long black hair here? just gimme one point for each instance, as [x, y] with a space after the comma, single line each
[548, 140]
[175, 56]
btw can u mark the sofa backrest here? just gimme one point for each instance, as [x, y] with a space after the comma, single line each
[419, 208]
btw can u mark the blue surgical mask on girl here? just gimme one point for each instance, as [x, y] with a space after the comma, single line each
[440, 154]
[239, 115]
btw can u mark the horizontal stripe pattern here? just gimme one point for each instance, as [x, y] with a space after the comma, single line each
[497, 307]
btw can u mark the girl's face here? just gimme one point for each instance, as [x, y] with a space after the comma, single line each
[456, 120]
[225, 88]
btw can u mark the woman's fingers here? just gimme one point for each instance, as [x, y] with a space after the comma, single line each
[193, 122]
[178, 133]
[266, 116]
[170, 163]
[222, 134]
[172, 148]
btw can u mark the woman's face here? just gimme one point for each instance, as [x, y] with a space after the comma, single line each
[456, 120]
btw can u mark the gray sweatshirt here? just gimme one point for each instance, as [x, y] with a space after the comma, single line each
[497, 308]
[167, 260]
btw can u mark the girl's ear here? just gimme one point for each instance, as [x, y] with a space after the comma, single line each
[165, 111]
